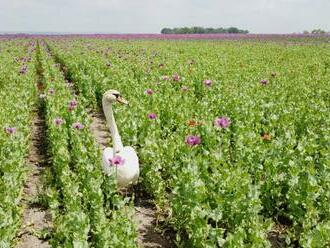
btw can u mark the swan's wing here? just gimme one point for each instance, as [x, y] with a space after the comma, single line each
[129, 172]
[107, 155]
[130, 152]
[130, 155]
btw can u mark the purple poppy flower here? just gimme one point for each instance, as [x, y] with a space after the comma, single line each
[152, 116]
[72, 105]
[58, 121]
[222, 122]
[51, 91]
[73, 102]
[77, 125]
[193, 140]
[207, 82]
[176, 77]
[10, 130]
[184, 88]
[264, 81]
[149, 92]
[165, 78]
[117, 161]
[23, 70]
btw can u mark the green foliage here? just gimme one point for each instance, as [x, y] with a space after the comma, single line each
[269, 168]
[318, 31]
[268, 171]
[75, 192]
[17, 99]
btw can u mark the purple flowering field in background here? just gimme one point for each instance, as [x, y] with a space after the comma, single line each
[175, 36]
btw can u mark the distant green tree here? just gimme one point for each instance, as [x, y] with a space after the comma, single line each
[210, 30]
[166, 31]
[201, 30]
[318, 31]
[233, 30]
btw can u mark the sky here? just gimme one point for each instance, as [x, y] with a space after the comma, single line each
[150, 16]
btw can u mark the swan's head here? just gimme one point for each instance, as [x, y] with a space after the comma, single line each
[112, 96]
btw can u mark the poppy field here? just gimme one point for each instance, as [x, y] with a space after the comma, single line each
[232, 138]
[15, 117]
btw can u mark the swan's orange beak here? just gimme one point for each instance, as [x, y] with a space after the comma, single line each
[122, 100]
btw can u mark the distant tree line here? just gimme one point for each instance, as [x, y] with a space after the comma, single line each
[315, 31]
[201, 30]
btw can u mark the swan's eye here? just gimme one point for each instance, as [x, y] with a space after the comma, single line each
[116, 95]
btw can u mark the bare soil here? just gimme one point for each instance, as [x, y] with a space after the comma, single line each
[277, 235]
[99, 130]
[145, 213]
[35, 217]
[146, 217]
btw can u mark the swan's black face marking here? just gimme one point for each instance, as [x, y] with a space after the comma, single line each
[113, 96]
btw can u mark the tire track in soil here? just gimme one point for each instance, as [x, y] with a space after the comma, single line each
[35, 217]
[145, 212]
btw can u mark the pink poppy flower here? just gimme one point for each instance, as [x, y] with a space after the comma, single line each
[77, 125]
[264, 81]
[10, 130]
[58, 121]
[117, 161]
[193, 140]
[222, 122]
[72, 105]
[176, 77]
[152, 116]
[149, 92]
[207, 82]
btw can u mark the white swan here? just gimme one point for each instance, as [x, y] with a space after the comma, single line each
[120, 161]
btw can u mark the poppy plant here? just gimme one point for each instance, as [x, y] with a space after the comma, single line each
[78, 125]
[152, 116]
[193, 140]
[117, 161]
[222, 122]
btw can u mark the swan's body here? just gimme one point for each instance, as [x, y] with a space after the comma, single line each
[128, 172]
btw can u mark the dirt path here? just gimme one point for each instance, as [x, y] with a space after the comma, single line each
[145, 212]
[35, 218]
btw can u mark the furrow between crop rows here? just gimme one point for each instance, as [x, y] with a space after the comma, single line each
[19, 174]
[36, 218]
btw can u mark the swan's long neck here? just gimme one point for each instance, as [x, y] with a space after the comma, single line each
[117, 144]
